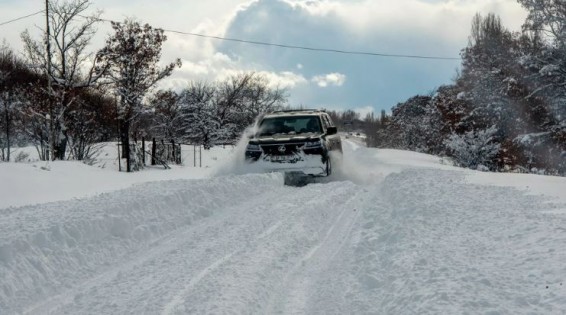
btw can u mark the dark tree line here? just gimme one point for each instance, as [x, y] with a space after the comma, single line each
[506, 110]
[26, 113]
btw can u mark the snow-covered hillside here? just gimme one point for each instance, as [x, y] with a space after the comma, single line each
[392, 233]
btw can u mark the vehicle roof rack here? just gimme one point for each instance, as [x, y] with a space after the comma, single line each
[299, 110]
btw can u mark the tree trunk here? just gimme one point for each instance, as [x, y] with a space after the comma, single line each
[173, 155]
[52, 149]
[61, 148]
[153, 151]
[143, 151]
[125, 138]
[8, 121]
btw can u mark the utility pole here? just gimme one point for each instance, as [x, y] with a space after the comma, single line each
[49, 87]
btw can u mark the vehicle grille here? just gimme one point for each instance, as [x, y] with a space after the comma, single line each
[275, 149]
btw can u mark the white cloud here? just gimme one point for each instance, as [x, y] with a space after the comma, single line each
[283, 79]
[219, 67]
[195, 68]
[335, 78]
[366, 16]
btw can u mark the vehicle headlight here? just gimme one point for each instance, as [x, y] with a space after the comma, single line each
[313, 144]
[253, 147]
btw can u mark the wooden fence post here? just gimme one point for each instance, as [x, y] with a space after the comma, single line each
[173, 151]
[143, 150]
[128, 166]
[119, 158]
[153, 151]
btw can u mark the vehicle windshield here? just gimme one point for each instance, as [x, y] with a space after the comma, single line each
[289, 125]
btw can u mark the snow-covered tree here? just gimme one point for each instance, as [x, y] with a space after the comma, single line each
[474, 149]
[511, 92]
[69, 65]
[35, 123]
[89, 120]
[487, 72]
[258, 97]
[221, 111]
[546, 24]
[415, 125]
[200, 122]
[15, 79]
[240, 98]
[7, 104]
[130, 62]
[167, 115]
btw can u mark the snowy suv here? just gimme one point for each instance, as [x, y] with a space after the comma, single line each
[298, 141]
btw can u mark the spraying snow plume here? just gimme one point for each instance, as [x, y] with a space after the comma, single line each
[356, 165]
[236, 163]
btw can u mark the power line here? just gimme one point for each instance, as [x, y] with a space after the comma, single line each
[329, 50]
[21, 18]
[259, 43]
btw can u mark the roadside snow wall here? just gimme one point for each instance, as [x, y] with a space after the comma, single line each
[47, 248]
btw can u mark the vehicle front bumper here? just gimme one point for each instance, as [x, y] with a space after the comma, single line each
[309, 164]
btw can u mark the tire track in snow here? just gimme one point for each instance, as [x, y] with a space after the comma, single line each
[246, 282]
[295, 294]
[53, 249]
[162, 247]
[177, 272]
[178, 299]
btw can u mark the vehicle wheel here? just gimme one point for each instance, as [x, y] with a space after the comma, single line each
[295, 179]
[328, 166]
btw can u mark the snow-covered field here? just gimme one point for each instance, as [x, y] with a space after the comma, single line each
[40, 182]
[393, 232]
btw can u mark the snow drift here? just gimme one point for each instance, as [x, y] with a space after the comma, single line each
[396, 232]
[44, 248]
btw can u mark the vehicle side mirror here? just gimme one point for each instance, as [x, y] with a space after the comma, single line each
[331, 131]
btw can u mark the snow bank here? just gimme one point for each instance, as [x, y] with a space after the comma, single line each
[46, 248]
[434, 244]
[368, 165]
[39, 182]
[549, 186]
[365, 166]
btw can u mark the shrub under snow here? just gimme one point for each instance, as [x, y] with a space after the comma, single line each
[474, 149]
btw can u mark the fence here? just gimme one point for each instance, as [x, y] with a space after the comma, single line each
[168, 152]
[137, 157]
[161, 153]
[195, 156]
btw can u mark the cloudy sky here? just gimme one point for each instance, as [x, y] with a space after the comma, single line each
[313, 79]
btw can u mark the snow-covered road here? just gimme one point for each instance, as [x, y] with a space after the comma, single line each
[392, 237]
